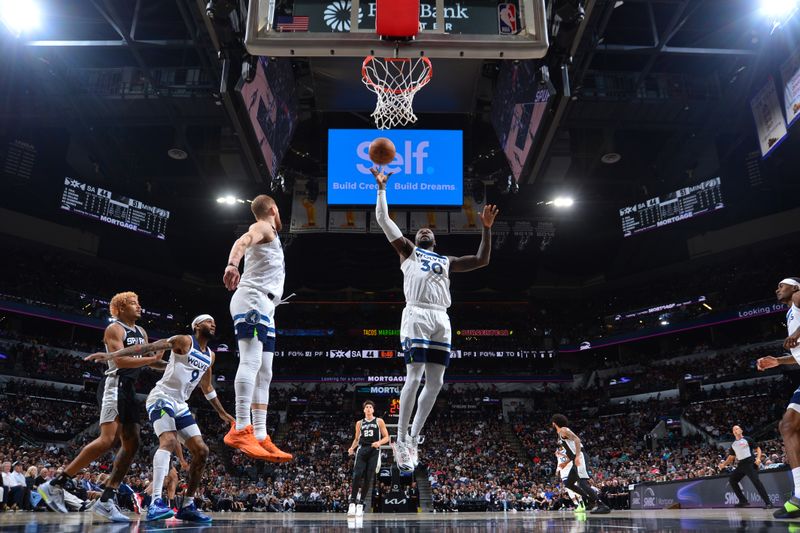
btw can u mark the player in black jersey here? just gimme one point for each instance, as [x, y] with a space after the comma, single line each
[119, 410]
[578, 477]
[367, 449]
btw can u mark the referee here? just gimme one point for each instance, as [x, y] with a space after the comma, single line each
[742, 450]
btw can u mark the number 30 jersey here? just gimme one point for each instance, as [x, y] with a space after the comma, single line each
[426, 279]
[183, 373]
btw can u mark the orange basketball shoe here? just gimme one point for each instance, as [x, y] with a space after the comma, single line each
[245, 440]
[280, 456]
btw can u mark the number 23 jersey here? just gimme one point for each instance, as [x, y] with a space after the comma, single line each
[426, 279]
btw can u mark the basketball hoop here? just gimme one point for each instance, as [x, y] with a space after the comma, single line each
[395, 81]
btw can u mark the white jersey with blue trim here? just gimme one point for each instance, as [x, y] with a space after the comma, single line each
[426, 279]
[792, 323]
[183, 373]
[265, 268]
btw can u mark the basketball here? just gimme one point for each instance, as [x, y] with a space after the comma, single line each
[381, 151]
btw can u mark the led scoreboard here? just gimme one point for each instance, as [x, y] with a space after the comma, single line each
[115, 209]
[682, 204]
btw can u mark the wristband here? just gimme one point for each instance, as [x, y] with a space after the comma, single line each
[211, 395]
[234, 266]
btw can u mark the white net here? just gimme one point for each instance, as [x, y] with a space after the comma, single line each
[395, 81]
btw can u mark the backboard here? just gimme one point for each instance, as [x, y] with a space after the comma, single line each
[472, 29]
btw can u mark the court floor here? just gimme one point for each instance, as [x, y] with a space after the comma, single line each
[706, 520]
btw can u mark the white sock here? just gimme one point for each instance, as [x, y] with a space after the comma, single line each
[408, 397]
[187, 501]
[434, 379]
[244, 384]
[160, 470]
[260, 424]
[796, 478]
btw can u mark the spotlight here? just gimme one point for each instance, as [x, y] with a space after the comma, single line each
[779, 10]
[563, 201]
[229, 200]
[19, 15]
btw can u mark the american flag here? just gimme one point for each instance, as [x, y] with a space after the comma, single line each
[291, 23]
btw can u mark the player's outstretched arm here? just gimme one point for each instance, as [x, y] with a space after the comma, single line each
[131, 357]
[257, 233]
[402, 246]
[466, 263]
[770, 362]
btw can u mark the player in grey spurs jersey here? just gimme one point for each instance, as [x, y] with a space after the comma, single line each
[119, 410]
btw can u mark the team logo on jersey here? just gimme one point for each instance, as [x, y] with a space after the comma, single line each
[252, 317]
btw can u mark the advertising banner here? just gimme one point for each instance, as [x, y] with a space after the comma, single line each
[426, 170]
[710, 491]
[790, 72]
[770, 124]
[468, 219]
[347, 221]
[309, 208]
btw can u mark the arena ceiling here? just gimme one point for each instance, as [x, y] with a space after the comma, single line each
[663, 83]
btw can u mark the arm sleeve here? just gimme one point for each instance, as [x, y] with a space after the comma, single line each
[388, 226]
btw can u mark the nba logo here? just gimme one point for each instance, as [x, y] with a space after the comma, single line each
[507, 19]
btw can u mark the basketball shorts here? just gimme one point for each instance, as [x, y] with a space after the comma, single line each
[253, 313]
[367, 459]
[167, 414]
[583, 473]
[117, 399]
[425, 335]
[794, 403]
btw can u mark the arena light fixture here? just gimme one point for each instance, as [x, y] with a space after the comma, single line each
[563, 201]
[20, 16]
[779, 10]
[232, 200]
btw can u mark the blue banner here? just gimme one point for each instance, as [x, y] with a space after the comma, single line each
[428, 168]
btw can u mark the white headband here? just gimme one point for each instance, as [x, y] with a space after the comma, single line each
[200, 318]
[790, 281]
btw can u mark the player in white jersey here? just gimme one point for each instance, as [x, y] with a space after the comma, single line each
[425, 326]
[788, 293]
[563, 466]
[190, 364]
[258, 292]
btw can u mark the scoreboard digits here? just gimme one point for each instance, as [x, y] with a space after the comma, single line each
[115, 209]
[679, 205]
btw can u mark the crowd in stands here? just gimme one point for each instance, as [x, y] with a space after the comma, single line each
[475, 458]
[724, 365]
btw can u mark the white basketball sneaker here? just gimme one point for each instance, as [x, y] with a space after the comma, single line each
[360, 509]
[402, 455]
[351, 509]
[413, 449]
[110, 511]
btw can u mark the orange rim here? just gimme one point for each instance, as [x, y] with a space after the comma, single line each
[416, 86]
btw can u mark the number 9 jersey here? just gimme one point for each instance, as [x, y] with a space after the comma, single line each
[425, 327]
[181, 376]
